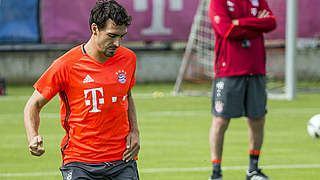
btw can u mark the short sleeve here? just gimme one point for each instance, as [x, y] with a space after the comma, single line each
[52, 81]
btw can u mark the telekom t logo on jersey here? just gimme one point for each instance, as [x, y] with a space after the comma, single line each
[95, 101]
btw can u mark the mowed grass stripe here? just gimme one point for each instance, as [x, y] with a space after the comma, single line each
[157, 113]
[160, 170]
[135, 95]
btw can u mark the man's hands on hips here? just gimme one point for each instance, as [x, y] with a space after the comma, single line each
[133, 146]
[36, 146]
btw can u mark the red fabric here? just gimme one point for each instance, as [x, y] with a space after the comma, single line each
[231, 58]
[255, 24]
[93, 103]
[216, 161]
[254, 152]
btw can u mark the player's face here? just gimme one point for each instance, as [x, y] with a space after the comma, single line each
[109, 38]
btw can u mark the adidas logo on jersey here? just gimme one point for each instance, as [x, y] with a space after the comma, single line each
[88, 79]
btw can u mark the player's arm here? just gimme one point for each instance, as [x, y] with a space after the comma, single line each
[222, 23]
[32, 121]
[133, 139]
[264, 22]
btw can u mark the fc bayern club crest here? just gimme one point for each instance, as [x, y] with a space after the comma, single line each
[121, 74]
[255, 3]
[219, 106]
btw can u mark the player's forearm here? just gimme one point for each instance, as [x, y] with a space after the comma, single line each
[31, 114]
[238, 33]
[258, 24]
[31, 119]
[132, 115]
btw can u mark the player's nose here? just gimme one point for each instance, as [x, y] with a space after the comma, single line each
[117, 42]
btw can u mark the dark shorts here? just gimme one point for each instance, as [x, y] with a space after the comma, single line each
[238, 96]
[115, 170]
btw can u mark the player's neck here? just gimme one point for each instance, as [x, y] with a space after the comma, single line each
[92, 51]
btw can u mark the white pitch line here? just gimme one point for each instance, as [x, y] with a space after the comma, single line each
[20, 115]
[294, 166]
[160, 170]
[31, 174]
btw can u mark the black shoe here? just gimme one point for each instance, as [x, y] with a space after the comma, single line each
[256, 175]
[216, 175]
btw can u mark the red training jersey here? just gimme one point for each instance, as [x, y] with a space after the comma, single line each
[93, 104]
[231, 58]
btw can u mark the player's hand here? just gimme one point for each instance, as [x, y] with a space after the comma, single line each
[235, 22]
[263, 14]
[36, 146]
[133, 146]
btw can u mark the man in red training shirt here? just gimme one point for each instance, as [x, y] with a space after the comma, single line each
[239, 87]
[94, 82]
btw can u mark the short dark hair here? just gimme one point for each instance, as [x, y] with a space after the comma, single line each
[109, 9]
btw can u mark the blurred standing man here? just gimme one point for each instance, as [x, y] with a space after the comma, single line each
[94, 82]
[239, 88]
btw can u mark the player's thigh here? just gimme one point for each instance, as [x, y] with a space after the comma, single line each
[128, 172]
[228, 95]
[256, 99]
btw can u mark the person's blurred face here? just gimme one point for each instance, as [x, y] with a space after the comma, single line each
[109, 38]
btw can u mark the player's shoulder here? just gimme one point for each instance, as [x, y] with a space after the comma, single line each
[70, 57]
[126, 52]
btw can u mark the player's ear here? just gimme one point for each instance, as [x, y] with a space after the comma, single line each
[94, 28]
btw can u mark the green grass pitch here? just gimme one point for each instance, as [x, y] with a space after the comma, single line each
[174, 138]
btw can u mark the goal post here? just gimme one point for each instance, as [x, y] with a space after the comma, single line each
[291, 46]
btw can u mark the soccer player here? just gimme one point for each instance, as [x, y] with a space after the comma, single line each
[94, 82]
[239, 87]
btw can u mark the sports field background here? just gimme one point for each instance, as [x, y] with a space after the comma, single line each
[174, 138]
